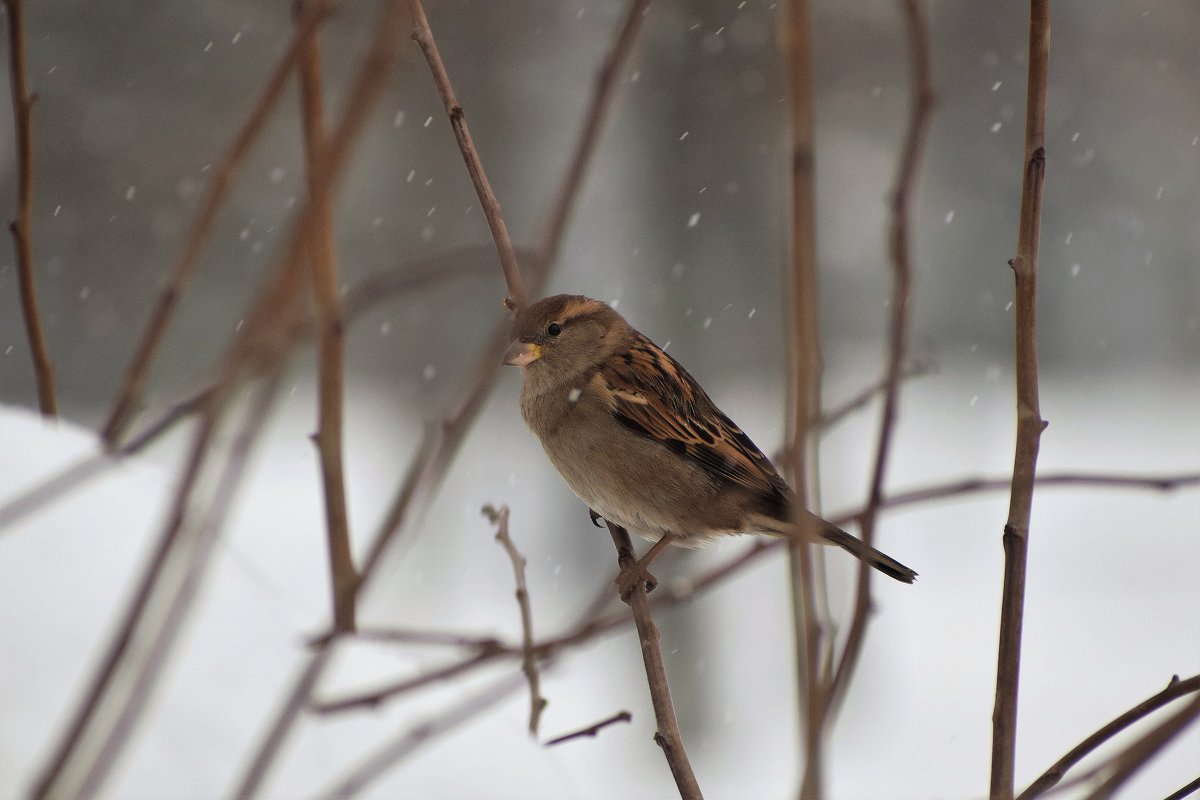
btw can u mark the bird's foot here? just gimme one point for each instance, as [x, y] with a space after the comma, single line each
[595, 518]
[629, 577]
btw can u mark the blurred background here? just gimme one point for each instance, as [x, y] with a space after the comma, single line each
[683, 225]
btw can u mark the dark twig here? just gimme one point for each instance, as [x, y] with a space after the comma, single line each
[805, 390]
[259, 349]
[1029, 417]
[668, 736]
[1189, 789]
[331, 336]
[537, 703]
[1048, 779]
[134, 382]
[1138, 754]
[591, 731]
[921, 108]
[423, 36]
[21, 225]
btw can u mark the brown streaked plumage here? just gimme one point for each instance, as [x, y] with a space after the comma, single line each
[638, 440]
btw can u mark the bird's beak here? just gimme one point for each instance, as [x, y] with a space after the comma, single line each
[522, 354]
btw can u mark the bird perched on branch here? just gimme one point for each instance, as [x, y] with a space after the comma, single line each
[638, 440]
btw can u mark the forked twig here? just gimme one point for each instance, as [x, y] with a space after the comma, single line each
[423, 36]
[920, 110]
[1048, 779]
[330, 337]
[591, 731]
[537, 703]
[1029, 417]
[21, 225]
[668, 736]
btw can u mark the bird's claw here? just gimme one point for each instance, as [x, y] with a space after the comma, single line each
[595, 518]
[629, 577]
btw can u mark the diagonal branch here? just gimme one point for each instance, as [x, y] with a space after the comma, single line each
[134, 382]
[423, 36]
[1175, 689]
[668, 737]
[591, 731]
[330, 335]
[1134, 757]
[902, 197]
[21, 226]
[537, 703]
[1029, 417]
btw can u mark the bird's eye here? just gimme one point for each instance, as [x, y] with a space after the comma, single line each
[554, 329]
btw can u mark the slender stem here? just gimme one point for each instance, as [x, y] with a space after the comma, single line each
[1191, 788]
[537, 703]
[920, 110]
[591, 731]
[1029, 418]
[1138, 754]
[423, 36]
[805, 369]
[134, 383]
[21, 226]
[668, 736]
[1048, 779]
[607, 80]
[331, 336]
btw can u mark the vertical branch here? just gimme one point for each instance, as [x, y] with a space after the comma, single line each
[537, 703]
[668, 736]
[21, 225]
[806, 387]
[423, 36]
[920, 110]
[328, 438]
[134, 382]
[1029, 417]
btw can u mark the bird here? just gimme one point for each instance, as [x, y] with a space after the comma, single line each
[638, 440]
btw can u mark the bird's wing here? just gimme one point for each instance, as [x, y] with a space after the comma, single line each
[653, 395]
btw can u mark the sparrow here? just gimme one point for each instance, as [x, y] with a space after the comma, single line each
[636, 438]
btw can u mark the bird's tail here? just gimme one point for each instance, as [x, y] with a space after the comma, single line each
[833, 535]
[880, 561]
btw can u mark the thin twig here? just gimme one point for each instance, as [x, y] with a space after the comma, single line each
[607, 80]
[1138, 754]
[920, 110]
[1029, 417]
[331, 336]
[423, 36]
[21, 225]
[1048, 779]
[1191, 788]
[805, 391]
[591, 731]
[537, 703]
[134, 383]
[259, 349]
[668, 736]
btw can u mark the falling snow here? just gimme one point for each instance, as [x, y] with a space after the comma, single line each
[573, 395]
[694, 220]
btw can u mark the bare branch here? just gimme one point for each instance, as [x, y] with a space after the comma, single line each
[1189, 789]
[668, 736]
[537, 703]
[1029, 417]
[1048, 779]
[1136, 756]
[21, 226]
[331, 335]
[921, 108]
[805, 389]
[607, 79]
[423, 36]
[591, 731]
[134, 382]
